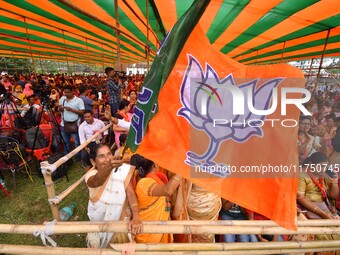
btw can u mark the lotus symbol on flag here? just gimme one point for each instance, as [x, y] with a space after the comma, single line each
[209, 105]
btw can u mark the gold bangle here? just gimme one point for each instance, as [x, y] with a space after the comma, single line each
[176, 179]
[133, 205]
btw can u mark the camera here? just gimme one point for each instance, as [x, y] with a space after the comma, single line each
[42, 90]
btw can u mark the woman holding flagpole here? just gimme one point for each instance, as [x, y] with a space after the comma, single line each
[107, 195]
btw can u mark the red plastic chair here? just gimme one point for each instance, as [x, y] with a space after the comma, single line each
[43, 153]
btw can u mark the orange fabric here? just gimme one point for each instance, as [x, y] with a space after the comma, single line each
[152, 208]
[275, 198]
[168, 11]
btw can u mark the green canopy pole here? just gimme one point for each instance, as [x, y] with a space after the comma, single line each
[147, 36]
[117, 34]
[68, 67]
[28, 66]
[141, 20]
[5, 64]
[15, 63]
[283, 50]
[87, 52]
[29, 43]
[58, 66]
[103, 59]
[257, 53]
[310, 68]
[322, 56]
[42, 69]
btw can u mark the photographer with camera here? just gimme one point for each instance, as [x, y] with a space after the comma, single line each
[113, 88]
[31, 112]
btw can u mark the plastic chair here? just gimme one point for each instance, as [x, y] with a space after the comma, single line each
[43, 153]
[13, 157]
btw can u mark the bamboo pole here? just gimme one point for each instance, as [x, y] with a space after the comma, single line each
[28, 66]
[283, 51]
[147, 35]
[68, 67]
[240, 223]
[51, 168]
[314, 246]
[322, 56]
[230, 246]
[117, 33]
[42, 70]
[103, 59]
[141, 20]
[48, 169]
[87, 52]
[15, 64]
[67, 191]
[163, 227]
[51, 194]
[115, 28]
[29, 43]
[6, 64]
[310, 68]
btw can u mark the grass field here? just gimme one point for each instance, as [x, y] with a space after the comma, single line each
[28, 205]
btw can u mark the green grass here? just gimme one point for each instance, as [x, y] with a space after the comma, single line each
[28, 205]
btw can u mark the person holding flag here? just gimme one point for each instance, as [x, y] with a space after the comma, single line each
[189, 86]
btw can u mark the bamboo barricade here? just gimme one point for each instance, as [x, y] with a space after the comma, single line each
[172, 227]
[182, 249]
[48, 169]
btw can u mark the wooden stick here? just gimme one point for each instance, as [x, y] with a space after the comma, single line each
[42, 250]
[231, 246]
[242, 223]
[163, 227]
[64, 159]
[67, 191]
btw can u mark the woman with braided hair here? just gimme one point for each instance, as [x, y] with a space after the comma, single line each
[153, 190]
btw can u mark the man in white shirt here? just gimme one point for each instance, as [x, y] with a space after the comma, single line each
[72, 108]
[87, 129]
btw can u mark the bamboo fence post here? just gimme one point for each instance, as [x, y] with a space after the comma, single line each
[48, 169]
[50, 191]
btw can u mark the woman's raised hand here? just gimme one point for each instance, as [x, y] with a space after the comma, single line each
[116, 162]
[107, 112]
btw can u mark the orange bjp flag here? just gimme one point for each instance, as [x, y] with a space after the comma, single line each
[227, 127]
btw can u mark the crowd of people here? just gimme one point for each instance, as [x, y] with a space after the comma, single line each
[84, 103]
